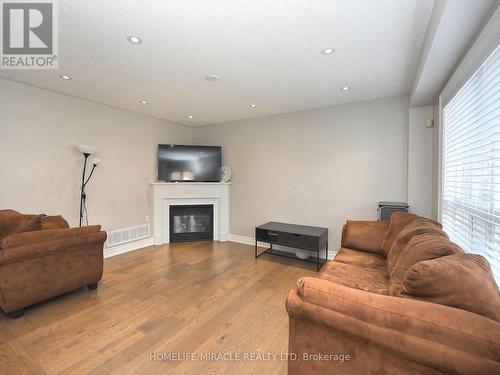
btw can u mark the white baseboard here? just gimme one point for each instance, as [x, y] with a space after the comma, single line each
[158, 240]
[251, 241]
[127, 247]
[245, 240]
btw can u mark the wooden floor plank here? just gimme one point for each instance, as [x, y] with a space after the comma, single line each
[14, 359]
[209, 297]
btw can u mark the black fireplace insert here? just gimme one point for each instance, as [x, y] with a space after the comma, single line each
[191, 223]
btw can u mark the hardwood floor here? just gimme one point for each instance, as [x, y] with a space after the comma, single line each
[194, 297]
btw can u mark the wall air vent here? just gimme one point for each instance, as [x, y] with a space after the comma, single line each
[121, 236]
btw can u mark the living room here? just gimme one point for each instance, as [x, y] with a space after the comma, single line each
[282, 187]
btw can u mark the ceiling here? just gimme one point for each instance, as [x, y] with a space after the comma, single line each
[265, 52]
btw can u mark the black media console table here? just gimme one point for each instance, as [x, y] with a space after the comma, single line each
[297, 236]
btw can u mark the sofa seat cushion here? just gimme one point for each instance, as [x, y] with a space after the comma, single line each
[464, 281]
[360, 258]
[374, 280]
[418, 226]
[421, 247]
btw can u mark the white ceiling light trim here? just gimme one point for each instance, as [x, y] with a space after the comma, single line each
[134, 39]
[212, 77]
[66, 77]
[328, 51]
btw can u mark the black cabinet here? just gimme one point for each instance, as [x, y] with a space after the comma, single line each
[296, 236]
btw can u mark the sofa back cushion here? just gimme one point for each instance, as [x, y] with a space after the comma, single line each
[421, 247]
[364, 235]
[416, 227]
[464, 281]
[17, 223]
[398, 221]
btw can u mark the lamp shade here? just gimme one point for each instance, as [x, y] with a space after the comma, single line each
[86, 149]
[96, 161]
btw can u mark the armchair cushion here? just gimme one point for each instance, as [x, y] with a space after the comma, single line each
[54, 222]
[464, 281]
[11, 224]
[8, 213]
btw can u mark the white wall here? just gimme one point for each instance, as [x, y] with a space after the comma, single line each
[420, 149]
[41, 168]
[316, 167]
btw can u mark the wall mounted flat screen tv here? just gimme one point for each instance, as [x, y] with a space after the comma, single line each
[180, 163]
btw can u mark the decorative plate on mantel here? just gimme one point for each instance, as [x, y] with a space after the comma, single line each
[226, 173]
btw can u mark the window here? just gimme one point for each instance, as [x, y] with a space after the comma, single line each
[470, 199]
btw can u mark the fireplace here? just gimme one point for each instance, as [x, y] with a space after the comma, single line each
[166, 194]
[191, 223]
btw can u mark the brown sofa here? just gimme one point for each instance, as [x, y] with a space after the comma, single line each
[41, 257]
[399, 298]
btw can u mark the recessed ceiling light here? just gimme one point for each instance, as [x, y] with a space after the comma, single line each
[134, 39]
[345, 88]
[144, 102]
[65, 77]
[253, 105]
[328, 51]
[190, 117]
[212, 77]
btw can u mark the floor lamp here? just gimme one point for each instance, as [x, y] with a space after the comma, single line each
[86, 151]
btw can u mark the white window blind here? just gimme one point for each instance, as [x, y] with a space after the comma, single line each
[470, 199]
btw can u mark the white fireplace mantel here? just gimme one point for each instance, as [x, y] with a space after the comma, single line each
[166, 194]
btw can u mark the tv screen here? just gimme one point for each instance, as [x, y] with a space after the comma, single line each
[189, 163]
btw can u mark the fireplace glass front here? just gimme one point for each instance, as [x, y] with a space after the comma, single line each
[191, 223]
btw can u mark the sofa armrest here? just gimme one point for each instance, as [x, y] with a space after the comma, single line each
[438, 336]
[54, 222]
[364, 235]
[22, 246]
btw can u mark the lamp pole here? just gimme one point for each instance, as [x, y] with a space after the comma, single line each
[82, 189]
[86, 150]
